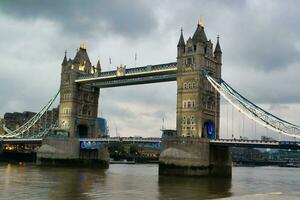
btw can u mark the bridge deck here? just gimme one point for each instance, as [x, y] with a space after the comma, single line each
[257, 144]
[220, 142]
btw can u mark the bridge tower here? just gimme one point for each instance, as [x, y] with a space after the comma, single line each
[198, 104]
[78, 109]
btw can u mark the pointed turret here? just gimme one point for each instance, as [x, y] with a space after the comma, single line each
[218, 47]
[199, 35]
[181, 45]
[98, 66]
[218, 51]
[181, 42]
[65, 61]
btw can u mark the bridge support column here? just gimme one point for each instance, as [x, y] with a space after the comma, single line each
[66, 152]
[193, 157]
[220, 161]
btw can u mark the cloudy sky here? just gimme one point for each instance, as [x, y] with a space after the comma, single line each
[260, 41]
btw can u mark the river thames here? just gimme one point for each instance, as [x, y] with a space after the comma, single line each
[130, 182]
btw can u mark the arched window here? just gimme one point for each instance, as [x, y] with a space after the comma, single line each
[193, 104]
[85, 110]
[188, 121]
[183, 120]
[194, 85]
[185, 85]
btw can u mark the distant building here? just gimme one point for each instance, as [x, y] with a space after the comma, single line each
[1, 129]
[102, 127]
[16, 119]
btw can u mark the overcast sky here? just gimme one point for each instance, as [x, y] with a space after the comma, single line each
[260, 41]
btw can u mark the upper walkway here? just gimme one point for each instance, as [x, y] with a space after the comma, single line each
[131, 76]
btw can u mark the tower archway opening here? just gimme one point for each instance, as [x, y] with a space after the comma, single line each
[82, 131]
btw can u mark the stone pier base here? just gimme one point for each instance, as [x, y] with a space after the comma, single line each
[194, 157]
[67, 152]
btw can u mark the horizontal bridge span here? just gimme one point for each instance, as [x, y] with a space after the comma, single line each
[22, 141]
[218, 142]
[132, 76]
[256, 144]
[135, 81]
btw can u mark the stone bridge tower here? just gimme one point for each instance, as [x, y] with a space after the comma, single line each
[78, 109]
[198, 104]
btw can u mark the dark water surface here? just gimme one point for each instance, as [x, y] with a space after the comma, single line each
[130, 182]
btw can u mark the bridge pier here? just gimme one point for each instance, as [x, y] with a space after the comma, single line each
[194, 157]
[67, 152]
[220, 161]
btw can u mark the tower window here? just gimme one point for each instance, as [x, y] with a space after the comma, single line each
[185, 85]
[85, 110]
[194, 85]
[190, 61]
[195, 47]
[188, 121]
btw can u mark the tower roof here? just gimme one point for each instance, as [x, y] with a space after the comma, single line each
[65, 61]
[199, 35]
[218, 47]
[181, 40]
[82, 56]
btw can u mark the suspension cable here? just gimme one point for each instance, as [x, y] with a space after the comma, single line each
[30, 123]
[238, 104]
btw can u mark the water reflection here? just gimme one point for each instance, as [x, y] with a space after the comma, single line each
[73, 183]
[135, 182]
[193, 188]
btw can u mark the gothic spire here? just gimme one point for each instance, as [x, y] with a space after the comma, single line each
[218, 47]
[181, 40]
[98, 66]
[65, 61]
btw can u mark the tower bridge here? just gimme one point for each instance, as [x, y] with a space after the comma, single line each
[198, 104]
[197, 147]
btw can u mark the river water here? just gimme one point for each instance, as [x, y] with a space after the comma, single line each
[130, 182]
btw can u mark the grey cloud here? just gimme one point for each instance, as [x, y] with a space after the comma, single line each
[76, 17]
[258, 40]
